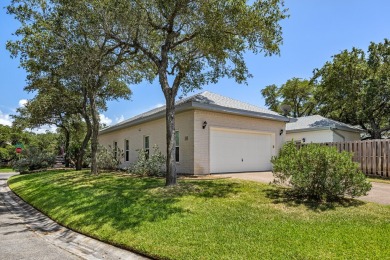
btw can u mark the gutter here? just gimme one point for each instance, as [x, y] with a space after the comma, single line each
[326, 128]
[307, 129]
[191, 106]
[235, 111]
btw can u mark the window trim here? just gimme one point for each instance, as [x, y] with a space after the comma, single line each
[127, 150]
[177, 146]
[147, 149]
[115, 149]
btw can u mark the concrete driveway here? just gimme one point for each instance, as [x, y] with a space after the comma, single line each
[25, 233]
[380, 192]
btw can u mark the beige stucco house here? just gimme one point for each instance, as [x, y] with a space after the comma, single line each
[318, 129]
[214, 134]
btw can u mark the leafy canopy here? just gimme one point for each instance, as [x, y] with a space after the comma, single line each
[355, 88]
[296, 93]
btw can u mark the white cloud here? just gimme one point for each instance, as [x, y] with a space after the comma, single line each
[22, 102]
[105, 120]
[120, 119]
[5, 119]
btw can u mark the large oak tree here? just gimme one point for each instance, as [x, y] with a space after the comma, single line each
[190, 43]
[51, 106]
[63, 42]
[355, 88]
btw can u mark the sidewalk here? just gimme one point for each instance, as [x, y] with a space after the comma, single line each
[28, 234]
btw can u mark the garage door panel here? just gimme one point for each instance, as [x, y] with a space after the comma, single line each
[237, 151]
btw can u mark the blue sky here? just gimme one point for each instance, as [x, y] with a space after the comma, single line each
[315, 31]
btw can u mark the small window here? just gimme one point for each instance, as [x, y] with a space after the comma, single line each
[127, 151]
[116, 150]
[146, 146]
[177, 144]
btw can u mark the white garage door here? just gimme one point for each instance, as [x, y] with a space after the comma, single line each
[240, 151]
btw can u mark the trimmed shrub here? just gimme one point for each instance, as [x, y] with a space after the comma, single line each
[151, 165]
[319, 172]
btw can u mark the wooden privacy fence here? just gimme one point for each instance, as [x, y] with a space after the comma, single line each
[372, 155]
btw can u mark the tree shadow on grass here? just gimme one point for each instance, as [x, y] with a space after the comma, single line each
[84, 201]
[283, 195]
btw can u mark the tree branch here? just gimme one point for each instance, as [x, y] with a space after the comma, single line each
[185, 39]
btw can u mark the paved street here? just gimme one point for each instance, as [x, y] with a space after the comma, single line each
[6, 175]
[17, 240]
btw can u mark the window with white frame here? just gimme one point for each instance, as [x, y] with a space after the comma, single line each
[146, 146]
[127, 150]
[177, 145]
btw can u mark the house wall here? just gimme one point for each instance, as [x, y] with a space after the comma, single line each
[156, 130]
[214, 119]
[319, 136]
[348, 136]
[322, 136]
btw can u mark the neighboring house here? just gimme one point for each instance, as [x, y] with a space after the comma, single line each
[214, 134]
[318, 129]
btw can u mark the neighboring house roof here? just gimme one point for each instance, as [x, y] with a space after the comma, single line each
[317, 122]
[204, 101]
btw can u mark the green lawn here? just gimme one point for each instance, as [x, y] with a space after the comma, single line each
[6, 169]
[207, 219]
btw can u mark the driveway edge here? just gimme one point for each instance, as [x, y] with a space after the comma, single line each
[76, 243]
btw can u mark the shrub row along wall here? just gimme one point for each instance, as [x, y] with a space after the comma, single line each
[372, 155]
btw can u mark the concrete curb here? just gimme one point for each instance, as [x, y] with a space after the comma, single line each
[64, 238]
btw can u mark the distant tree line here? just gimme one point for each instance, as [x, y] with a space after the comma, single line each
[47, 144]
[354, 88]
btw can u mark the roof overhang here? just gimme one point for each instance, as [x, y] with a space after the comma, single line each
[234, 111]
[191, 106]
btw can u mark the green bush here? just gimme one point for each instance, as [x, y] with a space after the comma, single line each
[7, 154]
[73, 154]
[33, 159]
[106, 158]
[151, 165]
[319, 172]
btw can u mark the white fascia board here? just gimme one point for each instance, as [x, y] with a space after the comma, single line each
[195, 105]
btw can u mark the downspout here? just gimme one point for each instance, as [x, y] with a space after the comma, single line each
[334, 130]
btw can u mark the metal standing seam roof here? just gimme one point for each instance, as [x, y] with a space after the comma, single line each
[206, 101]
[317, 122]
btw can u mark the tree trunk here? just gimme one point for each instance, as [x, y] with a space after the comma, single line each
[171, 177]
[67, 142]
[375, 131]
[80, 159]
[79, 164]
[95, 132]
[170, 95]
[376, 134]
